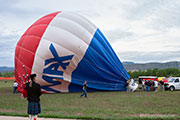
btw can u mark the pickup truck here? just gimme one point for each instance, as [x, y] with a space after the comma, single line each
[172, 84]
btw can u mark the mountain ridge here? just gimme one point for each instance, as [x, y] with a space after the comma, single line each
[151, 65]
[4, 69]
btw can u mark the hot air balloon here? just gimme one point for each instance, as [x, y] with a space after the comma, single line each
[65, 49]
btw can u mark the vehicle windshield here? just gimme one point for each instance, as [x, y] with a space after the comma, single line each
[171, 80]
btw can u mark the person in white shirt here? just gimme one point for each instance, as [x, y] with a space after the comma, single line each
[143, 84]
[15, 87]
[155, 86]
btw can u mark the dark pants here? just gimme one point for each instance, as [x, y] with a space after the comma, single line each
[147, 88]
[84, 93]
[143, 87]
[155, 89]
[15, 90]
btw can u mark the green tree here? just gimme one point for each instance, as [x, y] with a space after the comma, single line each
[156, 72]
[7, 74]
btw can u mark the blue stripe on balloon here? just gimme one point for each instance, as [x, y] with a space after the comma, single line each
[51, 69]
[100, 67]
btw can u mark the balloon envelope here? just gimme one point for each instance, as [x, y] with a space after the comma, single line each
[65, 49]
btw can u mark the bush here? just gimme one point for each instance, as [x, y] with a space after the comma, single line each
[7, 74]
[156, 72]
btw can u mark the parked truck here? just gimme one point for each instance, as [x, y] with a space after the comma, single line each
[172, 84]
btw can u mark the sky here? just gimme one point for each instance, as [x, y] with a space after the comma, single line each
[139, 31]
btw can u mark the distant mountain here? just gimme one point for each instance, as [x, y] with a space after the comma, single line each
[128, 63]
[145, 66]
[6, 69]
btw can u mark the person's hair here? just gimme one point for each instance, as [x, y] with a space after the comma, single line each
[32, 76]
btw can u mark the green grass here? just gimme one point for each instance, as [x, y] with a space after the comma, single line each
[99, 105]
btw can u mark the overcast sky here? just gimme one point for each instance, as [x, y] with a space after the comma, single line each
[139, 30]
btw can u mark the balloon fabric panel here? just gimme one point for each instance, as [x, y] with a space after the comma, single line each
[27, 45]
[92, 69]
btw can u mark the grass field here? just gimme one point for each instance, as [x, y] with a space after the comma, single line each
[98, 105]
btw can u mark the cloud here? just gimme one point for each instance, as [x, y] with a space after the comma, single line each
[155, 32]
[7, 46]
[118, 35]
[133, 27]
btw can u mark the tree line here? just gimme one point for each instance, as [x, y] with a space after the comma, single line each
[174, 72]
[7, 74]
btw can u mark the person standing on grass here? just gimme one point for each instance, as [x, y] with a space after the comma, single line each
[155, 85]
[33, 97]
[127, 85]
[84, 90]
[15, 87]
[146, 84]
[149, 85]
[162, 85]
[143, 85]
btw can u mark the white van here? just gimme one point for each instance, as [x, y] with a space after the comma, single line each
[173, 84]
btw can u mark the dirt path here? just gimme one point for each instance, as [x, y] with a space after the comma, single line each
[26, 118]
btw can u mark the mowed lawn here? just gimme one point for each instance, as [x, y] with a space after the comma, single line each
[98, 105]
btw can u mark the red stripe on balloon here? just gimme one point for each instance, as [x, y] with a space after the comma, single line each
[28, 44]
